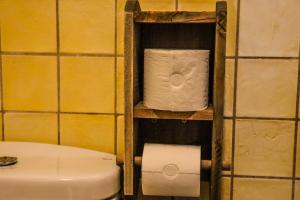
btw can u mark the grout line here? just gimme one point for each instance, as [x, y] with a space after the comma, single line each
[264, 118]
[1, 89]
[296, 131]
[259, 177]
[115, 81]
[16, 53]
[58, 72]
[235, 98]
[261, 57]
[61, 112]
[81, 54]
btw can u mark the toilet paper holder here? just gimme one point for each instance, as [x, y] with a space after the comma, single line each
[174, 30]
[205, 164]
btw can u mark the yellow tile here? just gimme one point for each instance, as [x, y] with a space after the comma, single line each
[87, 84]
[262, 189]
[197, 5]
[31, 127]
[267, 87]
[88, 131]
[231, 27]
[120, 137]
[87, 26]
[227, 141]
[1, 133]
[120, 86]
[274, 33]
[30, 83]
[120, 26]
[297, 190]
[157, 5]
[298, 154]
[210, 5]
[229, 87]
[225, 188]
[28, 25]
[264, 147]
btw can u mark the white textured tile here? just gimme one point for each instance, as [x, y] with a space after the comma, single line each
[267, 87]
[269, 28]
[262, 189]
[229, 88]
[264, 147]
[227, 142]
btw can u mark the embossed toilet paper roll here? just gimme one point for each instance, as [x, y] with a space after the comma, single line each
[171, 170]
[176, 80]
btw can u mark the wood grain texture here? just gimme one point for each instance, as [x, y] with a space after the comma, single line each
[131, 95]
[218, 99]
[141, 111]
[175, 17]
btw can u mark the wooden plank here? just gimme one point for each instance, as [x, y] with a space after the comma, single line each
[175, 17]
[141, 111]
[129, 61]
[218, 100]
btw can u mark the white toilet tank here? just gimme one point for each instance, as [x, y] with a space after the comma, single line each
[54, 172]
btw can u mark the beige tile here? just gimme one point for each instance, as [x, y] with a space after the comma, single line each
[120, 137]
[197, 5]
[273, 33]
[225, 188]
[227, 142]
[120, 85]
[87, 26]
[30, 83]
[157, 5]
[267, 87]
[120, 26]
[88, 131]
[262, 189]
[297, 190]
[28, 25]
[264, 147]
[31, 127]
[87, 84]
[298, 154]
[229, 88]
[231, 27]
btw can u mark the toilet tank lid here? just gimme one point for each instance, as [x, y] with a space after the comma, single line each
[60, 165]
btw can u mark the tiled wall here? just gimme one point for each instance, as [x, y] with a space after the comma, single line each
[62, 82]
[261, 102]
[62, 72]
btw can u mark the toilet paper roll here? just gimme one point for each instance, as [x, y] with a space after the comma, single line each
[171, 170]
[176, 80]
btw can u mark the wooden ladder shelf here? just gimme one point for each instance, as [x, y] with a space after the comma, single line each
[173, 30]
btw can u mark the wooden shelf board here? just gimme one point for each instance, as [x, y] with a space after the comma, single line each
[141, 111]
[174, 17]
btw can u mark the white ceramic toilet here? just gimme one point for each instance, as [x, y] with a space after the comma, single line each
[45, 172]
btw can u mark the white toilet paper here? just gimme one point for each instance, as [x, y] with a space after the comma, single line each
[176, 80]
[171, 170]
